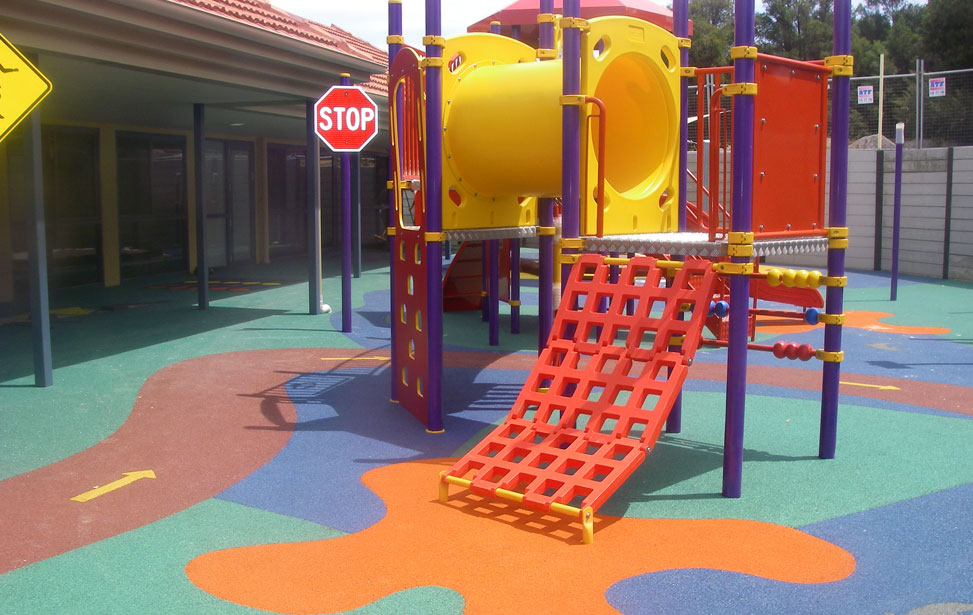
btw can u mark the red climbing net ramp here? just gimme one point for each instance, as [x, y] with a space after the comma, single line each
[598, 396]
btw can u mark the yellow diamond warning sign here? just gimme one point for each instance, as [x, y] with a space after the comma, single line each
[22, 86]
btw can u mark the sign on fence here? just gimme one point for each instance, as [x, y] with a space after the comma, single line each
[866, 94]
[937, 87]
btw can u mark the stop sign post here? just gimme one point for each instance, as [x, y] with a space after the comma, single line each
[346, 118]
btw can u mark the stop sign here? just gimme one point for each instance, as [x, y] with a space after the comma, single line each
[346, 119]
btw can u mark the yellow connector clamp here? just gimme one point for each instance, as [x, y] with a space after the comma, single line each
[571, 99]
[739, 237]
[575, 23]
[546, 54]
[570, 259]
[572, 243]
[685, 43]
[831, 319]
[834, 281]
[687, 71]
[434, 41]
[677, 340]
[546, 230]
[830, 357]
[841, 66]
[743, 52]
[390, 231]
[403, 185]
[546, 18]
[745, 250]
[513, 303]
[837, 232]
[740, 89]
[733, 268]
[837, 244]
[395, 39]
[431, 62]
[434, 237]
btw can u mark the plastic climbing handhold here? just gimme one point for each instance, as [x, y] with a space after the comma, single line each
[811, 316]
[721, 309]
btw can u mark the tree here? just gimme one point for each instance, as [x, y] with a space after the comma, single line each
[798, 29]
[712, 32]
[905, 43]
[946, 27]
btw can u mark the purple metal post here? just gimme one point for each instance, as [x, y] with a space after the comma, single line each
[570, 135]
[834, 303]
[742, 170]
[485, 280]
[897, 209]
[494, 291]
[515, 286]
[680, 27]
[395, 34]
[345, 233]
[434, 218]
[545, 219]
[494, 27]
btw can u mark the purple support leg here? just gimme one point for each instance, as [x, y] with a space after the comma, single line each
[570, 136]
[742, 169]
[345, 233]
[515, 286]
[897, 210]
[434, 223]
[545, 219]
[494, 27]
[494, 291]
[485, 280]
[834, 303]
[680, 24]
[395, 29]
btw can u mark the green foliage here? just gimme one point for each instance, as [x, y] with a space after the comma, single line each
[712, 32]
[946, 27]
[800, 29]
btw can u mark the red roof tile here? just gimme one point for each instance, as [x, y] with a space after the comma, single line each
[261, 14]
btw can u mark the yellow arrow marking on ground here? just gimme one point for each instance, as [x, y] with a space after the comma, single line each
[130, 477]
[881, 387]
[355, 358]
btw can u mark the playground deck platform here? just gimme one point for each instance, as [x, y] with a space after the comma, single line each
[247, 459]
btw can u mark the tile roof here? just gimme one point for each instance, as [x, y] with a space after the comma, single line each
[262, 14]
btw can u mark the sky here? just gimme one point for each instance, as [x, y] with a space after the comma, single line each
[368, 19]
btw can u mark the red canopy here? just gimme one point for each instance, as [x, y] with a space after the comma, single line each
[523, 15]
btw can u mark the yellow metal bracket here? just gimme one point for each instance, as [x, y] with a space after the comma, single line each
[546, 54]
[575, 23]
[685, 43]
[739, 237]
[837, 232]
[390, 231]
[687, 71]
[588, 525]
[403, 185]
[740, 89]
[434, 41]
[677, 340]
[434, 237]
[546, 230]
[837, 244]
[733, 268]
[395, 39]
[841, 66]
[834, 281]
[571, 99]
[831, 319]
[431, 62]
[569, 259]
[743, 52]
[546, 18]
[572, 243]
[739, 249]
[830, 357]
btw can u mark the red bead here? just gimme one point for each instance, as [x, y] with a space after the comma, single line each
[805, 352]
[791, 351]
[779, 349]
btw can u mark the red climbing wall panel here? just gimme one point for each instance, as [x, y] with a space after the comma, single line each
[600, 392]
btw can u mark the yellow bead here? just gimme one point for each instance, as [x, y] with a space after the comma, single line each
[814, 279]
[789, 278]
[800, 280]
[773, 277]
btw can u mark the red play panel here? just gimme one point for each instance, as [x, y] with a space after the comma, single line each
[598, 396]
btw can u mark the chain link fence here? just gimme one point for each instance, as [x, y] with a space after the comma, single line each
[941, 117]
[936, 108]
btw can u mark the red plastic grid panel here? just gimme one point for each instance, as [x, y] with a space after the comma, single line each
[600, 392]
